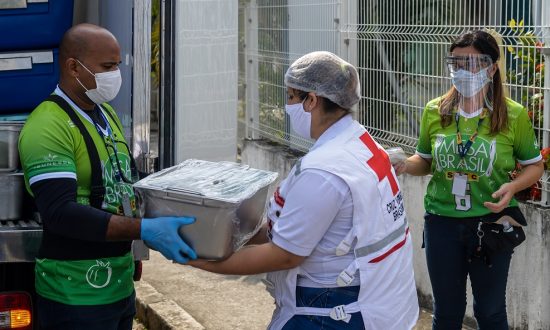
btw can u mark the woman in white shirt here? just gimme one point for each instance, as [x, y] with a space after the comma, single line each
[336, 243]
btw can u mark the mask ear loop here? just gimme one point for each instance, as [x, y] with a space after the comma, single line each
[304, 102]
[449, 59]
[488, 103]
[93, 74]
[81, 84]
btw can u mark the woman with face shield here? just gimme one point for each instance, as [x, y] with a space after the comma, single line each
[470, 139]
[336, 245]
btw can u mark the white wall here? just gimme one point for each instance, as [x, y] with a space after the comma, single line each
[206, 79]
[528, 293]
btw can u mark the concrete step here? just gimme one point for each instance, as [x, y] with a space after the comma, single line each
[155, 311]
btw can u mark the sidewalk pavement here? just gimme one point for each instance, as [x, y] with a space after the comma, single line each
[171, 296]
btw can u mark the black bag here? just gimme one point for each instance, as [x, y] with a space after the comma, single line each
[492, 238]
[497, 239]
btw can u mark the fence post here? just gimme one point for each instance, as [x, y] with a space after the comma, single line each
[347, 26]
[141, 110]
[252, 115]
[545, 23]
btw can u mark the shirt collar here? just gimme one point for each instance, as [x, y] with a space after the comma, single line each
[470, 115]
[59, 91]
[334, 130]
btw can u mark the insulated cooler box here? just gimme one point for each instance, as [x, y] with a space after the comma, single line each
[26, 79]
[227, 199]
[9, 138]
[34, 24]
[12, 188]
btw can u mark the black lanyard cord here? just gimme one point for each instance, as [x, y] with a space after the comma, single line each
[118, 169]
[109, 137]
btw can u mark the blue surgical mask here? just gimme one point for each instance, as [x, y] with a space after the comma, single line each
[300, 120]
[469, 84]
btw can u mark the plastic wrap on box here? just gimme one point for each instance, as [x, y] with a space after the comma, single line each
[227, 199]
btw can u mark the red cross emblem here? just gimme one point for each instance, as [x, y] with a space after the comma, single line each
[380, 162]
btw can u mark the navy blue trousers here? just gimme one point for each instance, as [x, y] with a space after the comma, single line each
[325, 298]
[449, 243]
[116, 316]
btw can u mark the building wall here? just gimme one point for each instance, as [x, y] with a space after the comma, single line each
[206, 39]
[528, 293]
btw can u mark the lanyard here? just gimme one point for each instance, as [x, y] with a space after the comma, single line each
[109, 139]
[109, 135]
[463, 149]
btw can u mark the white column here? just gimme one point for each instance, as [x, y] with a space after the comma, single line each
[206, 79]
[141, 94]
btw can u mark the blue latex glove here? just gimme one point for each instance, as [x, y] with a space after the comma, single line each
[161, 234]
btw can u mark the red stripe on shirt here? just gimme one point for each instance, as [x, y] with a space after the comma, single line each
[392, 250]
[278, 199]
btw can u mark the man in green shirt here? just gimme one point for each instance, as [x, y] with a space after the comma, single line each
[80, 171]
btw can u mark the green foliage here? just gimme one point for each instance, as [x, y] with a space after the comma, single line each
[155, 42]
[528, 70]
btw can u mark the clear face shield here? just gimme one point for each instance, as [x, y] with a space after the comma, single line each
[471, 75]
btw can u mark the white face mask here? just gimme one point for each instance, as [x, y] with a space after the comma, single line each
[107, 85]
[299, 119]
[469, 84]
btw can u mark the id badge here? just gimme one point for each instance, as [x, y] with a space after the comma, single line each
[459, 184]
[126, 205]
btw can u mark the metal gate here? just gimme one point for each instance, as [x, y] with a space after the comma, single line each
[398, 47]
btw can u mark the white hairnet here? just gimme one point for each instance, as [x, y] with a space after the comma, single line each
[326, 75]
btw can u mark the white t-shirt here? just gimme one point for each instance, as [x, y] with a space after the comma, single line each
[316, 217]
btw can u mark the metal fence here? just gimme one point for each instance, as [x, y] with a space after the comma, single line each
[398, 47]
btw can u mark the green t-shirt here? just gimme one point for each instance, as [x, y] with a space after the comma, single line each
[51, 146]
[487, 163]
